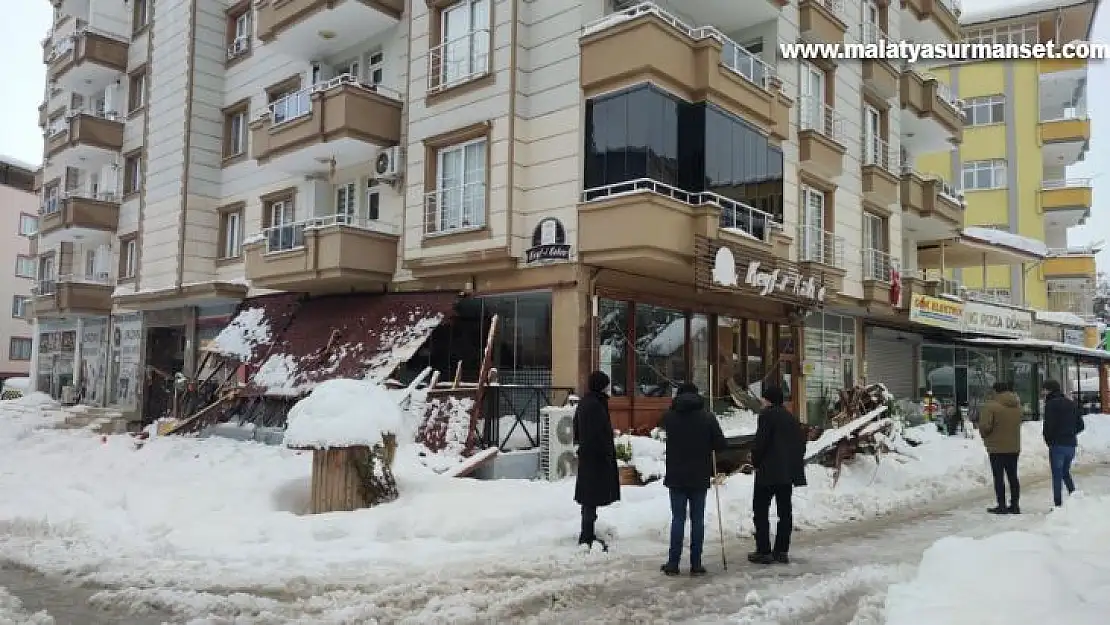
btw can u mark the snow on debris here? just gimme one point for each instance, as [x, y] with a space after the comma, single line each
[343, 413]
[1062, 318]
[277, 374]
[12, 612]
[1032, 247]
[397, 346]
[245, 332]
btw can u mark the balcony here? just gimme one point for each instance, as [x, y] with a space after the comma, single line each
[87, 62]
[932, 117]
[878, 269]
[724, 14]
[73, 296]
[822, 21]
[333, 254]
[822, 141]
[1076, 296]
[339, 123]
[931, 208]
[314, 29]
[931, 20]
[1065, 265]
[1066, 203]
[880, 77]
[81, 211]
[821, 251]
[929, 282]
[86, 139]
[642, 43]
[880, 170]
[1065, 135]
[649, 228]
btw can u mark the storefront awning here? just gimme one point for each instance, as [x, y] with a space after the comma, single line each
[979, 247]
[1054, 347]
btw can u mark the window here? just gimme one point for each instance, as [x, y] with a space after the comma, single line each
[464, 44]
[1013, 33]
[140, 16]
[984, 175]
[282, 232]
[612, 344]
[373, 200]
[90, 263]
[873, 19]
[238, 31]
[876, 262]
[287, 101]
[136, 90]
[235, 132]
[985, 110]
[20, 348]
[50, 199]
[874, 149]
[660, 347]
[345, 202]
[28, 225]
[352, 68]
[460, 195]
[19, 305]
[46, 268]
[812, 93]
[132, 173]
[375, 71]
[128, 258]
[25, 267]
[231, 233]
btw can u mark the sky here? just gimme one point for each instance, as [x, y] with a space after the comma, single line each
[28, 21]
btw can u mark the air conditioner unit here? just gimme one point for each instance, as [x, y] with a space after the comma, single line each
[558, 457]
[389, 163]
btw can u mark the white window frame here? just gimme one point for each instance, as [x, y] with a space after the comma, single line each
[139, 86]
[872, 136]
[130, 252]
[985, 110]
[25, 267]
[142, 14]
[243, 30]
[90, 263]
[19, 305]
[238, 134]
[372, 200]
[375, 67]
[874, 235]
[464, 53]
[346, 202]
[995, 169]
[813, 222]
[134, 184]
[469, 193]
[231, 246]
[28, 219]
[811, 89]
[50, 200]
[352, 67]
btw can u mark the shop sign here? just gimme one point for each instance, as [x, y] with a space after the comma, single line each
[936, 312]
[1073, 336]
[766, 278]
[549, 243]
[982, 318]
[127, 332]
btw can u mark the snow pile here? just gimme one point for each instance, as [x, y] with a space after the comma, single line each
[647, 453]
[277, 374]
[246, 331]
[28, 413]
[1057, 574]
[343, 413]
[12, 612]
[1002, 238]
[738, 422]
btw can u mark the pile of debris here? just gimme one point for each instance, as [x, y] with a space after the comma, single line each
[863, 423]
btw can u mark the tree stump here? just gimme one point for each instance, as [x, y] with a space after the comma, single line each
[349, 478]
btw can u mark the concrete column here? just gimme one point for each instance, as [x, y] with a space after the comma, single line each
[78, 352]
[1104, 386]
[35, 346]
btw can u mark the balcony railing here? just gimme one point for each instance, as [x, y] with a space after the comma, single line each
[878, 152]
[49, 286]
[945, 285]
[61, 47]
[87, 194]
[239, 46]
[290, 236]
[949, 190]
[991, 296]
[1068, 113]
[872, 33]
[820, 246]
[954, 6]
[949, 97]
[1068, 183]
[813, 114]
[459, 61]
[836, 7]
[735, 215]
[733, 55]
[455, 209]
[877, 265]
[298, 104]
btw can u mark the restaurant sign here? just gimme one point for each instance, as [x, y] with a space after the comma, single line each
[983, 318]
[766, 279]
[936, 312]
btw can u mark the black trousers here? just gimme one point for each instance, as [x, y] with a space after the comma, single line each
[1005, 465]
[589, 516]
[761, 510]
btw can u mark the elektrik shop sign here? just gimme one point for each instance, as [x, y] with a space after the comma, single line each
[937, 312]
[981, 318]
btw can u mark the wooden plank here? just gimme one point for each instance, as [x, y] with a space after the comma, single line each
[472, 463]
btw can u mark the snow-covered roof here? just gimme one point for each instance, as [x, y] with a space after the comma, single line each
[1052, 346]
[1062, 318]
[1011, 240]
[15, 162]
[978, 11]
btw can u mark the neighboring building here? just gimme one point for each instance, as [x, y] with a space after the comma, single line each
[1027, 123]
[690, 205]
[19, 222]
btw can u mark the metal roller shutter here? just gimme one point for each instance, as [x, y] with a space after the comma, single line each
[892, 363]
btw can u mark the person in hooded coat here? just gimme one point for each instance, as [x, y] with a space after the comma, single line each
[778, 455]
[1062, 426]
[597, 484]
[693, 434]
[1000, 426]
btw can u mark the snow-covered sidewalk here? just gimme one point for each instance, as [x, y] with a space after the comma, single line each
[12, 612]
[216, 513]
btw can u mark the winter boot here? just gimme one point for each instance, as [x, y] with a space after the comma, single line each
[757, 557]
[697, 571]
[669, 570]
[780, 557]
[1014, 509]
[999, 509]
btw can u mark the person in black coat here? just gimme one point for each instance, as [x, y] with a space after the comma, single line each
[693, 434]
[778, 455]
[597, 484]
[1062, 425]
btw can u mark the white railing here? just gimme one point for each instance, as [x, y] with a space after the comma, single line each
[1067, 113]
[83, 194]
[871, 33]
[57, 127]
[877, 265]
[820, 246]
[735, 215]
[1074, 250]
[100, 32]
[876, 151]
[991, 296]
[454, 209]
[836, 7]
[1066, 183]
[459, 61]
[955, 7]
[49, 286]
[290, 236]
[945, 286]
[99, 112]
[733, 55]
[813, 114]
[61, 47]
[945, 93]
[351, 221]
[299, 103]
[949, 190]
[239, 46]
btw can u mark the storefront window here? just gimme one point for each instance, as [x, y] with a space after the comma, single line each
[613, 344]
[786, 360]
[730, 369]
[660, 350]
[699, 352]
[830, 346]
[938, 372]
[982, 373]
[754, 349]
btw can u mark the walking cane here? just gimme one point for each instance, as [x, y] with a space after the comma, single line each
[720, 521]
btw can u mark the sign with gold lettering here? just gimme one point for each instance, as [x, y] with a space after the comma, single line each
[937, 312]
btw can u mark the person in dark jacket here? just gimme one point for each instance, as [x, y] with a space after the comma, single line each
[778, 455]
[1062, 425]
[693, 434]
[1000, 425]
[597, 484]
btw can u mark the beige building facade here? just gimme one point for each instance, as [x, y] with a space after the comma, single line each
[19, 223]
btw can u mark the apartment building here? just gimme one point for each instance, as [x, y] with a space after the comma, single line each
[19, 222]
[642, 188]
[1027, 124]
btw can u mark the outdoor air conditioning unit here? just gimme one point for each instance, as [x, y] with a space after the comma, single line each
[389, 164]
[558, 457]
